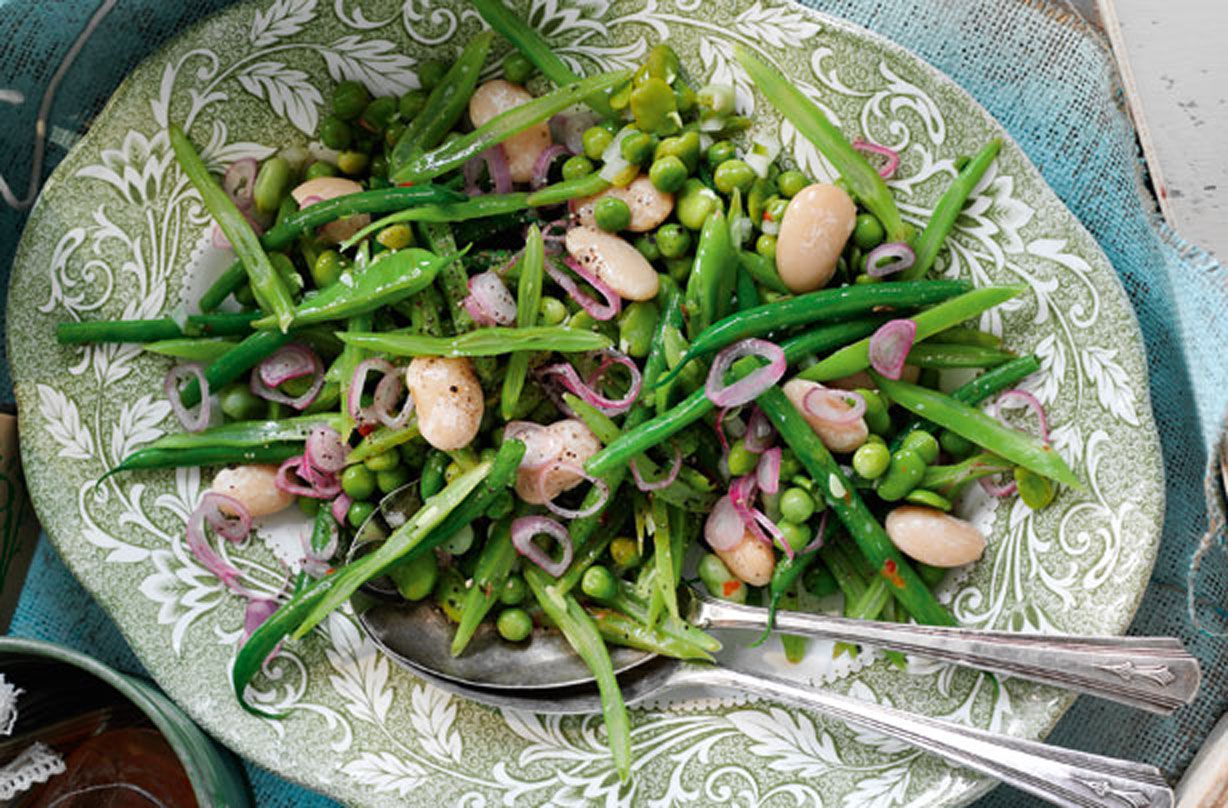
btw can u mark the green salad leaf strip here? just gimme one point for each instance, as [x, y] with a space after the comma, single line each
[528, 298]
[495, 565]
[445, 105]
[267, 284]
[241, 358]
[947, 480]
[381, 439]
[948, 314]
[866, 185]
[946, 213]
[478, 208]
[492, 341]
[166, 328]
[193, 349]
[457, 152]
[530, 43]
[990, 434]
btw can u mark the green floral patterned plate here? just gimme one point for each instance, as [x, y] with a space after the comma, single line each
[118, 230]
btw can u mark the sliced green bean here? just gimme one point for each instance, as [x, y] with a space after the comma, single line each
[158, 458]
[567, 190]
[495, 564]
[193, 349]
[763, 270]
[381, 440]
[167, 328]
[479, 208]
[619, 629]
[528, 298]
[492, 341]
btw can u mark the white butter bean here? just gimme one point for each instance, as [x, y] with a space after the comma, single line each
[618, 264]
[448, 399]
[649, 207]
[835, 436]
[933, 537]
[816, 225]
[557, 451]
[751, 561]
[522, 149]
[324, 188]
[254, 489]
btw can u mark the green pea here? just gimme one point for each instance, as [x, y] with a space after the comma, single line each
[647, 245]
[790, 183]
[720, 152]
[920, 496]
[796, 505]
[686, 147]
[923, 443]
[383, 461]
[719, 581]
[625, 552]
[514, 624]
[502, 505]
[636, 325]
[430, 73]
[733, 174]
[742, 461]
[774, 210]
[577, 166]
[551, 310]
[239, 403]
[868, 232]
[413, 453]
[416, 578]
[879, 439]
[695, 203]
[352, 162]
[1035, 491]
[790, 466]
[796, 535]
[673, 240]
[668, 174]
[459, 542]
[271, 184]
[903, 475]
[876, 416]
[596, 139]
[411, 104]
[655, 108]
[379, 113]
[612, 214]
[358, 513]
[358, 482]
[320, 169]
[327, 268]
[598, 582]
[392, 479]
[309, 506]
[396, 236]
[450, 593]
[637, 148]
[765, 245]
[517, 68]
[335, 133]
[955, 445]
[350, 98]
[871, 460]
[679, 270]
[513, 591]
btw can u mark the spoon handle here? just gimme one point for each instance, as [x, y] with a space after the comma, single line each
[1151, 673]
[1061, 776]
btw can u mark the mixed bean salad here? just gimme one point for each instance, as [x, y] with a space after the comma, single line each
[597, 331]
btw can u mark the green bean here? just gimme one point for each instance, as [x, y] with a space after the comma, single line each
[567, 190]
[855, 357]
[498, 129]
[709, 291]
[529, 42]
[619, 629]
[528, 299]
[433, 471]
[444, 106]
[194, 349]
[866, 185]
[969, 336]
[844, 501]
[167, 328]
[493, 341]
[945, 356]
[494, 566]
[157, 458]
[663, 556]
[946, 213]
[425, 312]
[349, 359]
[267, 284]
[763, 270]
[246, 434]
[381, 439]
[983, 430]
[477, 208]
[234, 363]
[271, 184]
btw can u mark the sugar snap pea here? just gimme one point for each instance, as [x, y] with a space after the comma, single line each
[528, 297]
[493, 341]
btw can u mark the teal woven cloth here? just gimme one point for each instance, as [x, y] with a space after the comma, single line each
[1040, 70]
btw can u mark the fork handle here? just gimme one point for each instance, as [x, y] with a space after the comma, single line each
[1151, 673]
[1061, 776]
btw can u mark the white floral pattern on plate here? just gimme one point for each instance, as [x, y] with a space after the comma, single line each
[118, 227]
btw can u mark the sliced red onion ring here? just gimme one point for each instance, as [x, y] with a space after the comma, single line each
[819, 535]
[496, 168]
[294, 361]
[607, 311]
[570, 379]
[995, 489]
[767, 472]
[541, 445]
[759, 432]
[489, 302]
[1028, 400]
[527, 528]
[341, 507]
[324, 449]
[579, 471]
[887, 169]
[898, 256]
[541, 166]
[256, 612]
[742, 495]
[719, 427]
[835, 407]
[568, 127]
[665, 481]
[318, 487]
[170, 386]
[365, 415]
[388, 391]
[322, 556]
[723, 529]
[889, 347]
[471, 171]
[239, 181]
[233, 528]
[748, 388]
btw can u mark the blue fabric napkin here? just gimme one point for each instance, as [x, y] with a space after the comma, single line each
[1040, 70]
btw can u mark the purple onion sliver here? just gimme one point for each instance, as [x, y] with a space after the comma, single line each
[1028, 400]
[607, 311]
[665, 481]
[567, 513]
[767, 473]
[256, 612]
[341, 507]
[293, 361]
[497, 168]
[996, 490]
[170, 386]
[387, 393]
[899, 257]
[541, 166]
[356, 412]
[889, 347]
[887, 170]
[570, 380]
[723, 529]
[819, 535]
[526, 528]
[748, 388]
[198, 542]
[324, 449]
[239, 181]
[759, 432]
